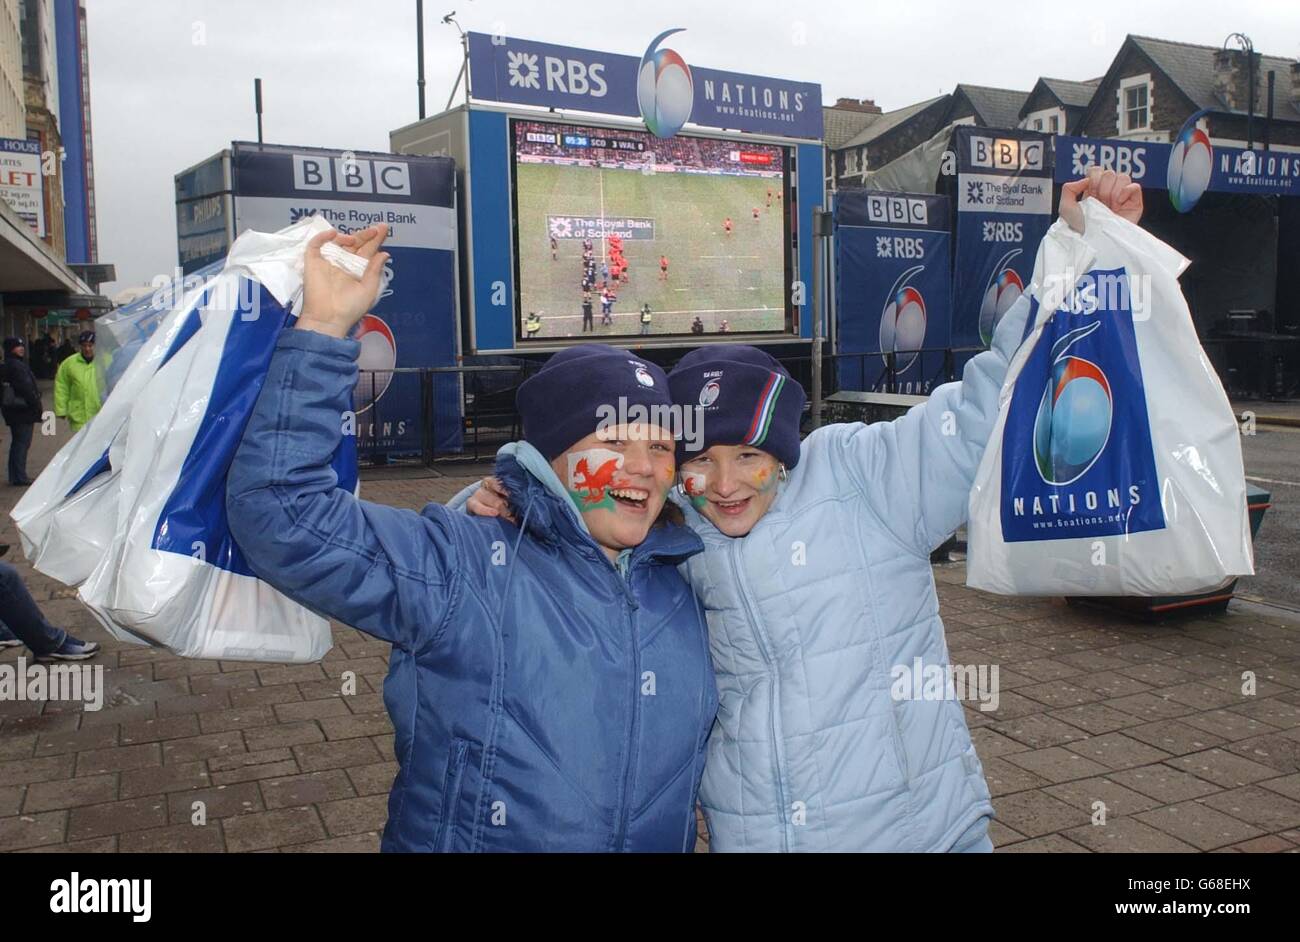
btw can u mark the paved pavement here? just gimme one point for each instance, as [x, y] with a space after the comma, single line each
[1271, 451]
[1146, 721]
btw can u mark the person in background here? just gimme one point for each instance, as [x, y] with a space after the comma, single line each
[586, 312]
[23, 623]
[697, 325]
[77, 385]
[64, 350]
[20, 405]
[41, 356]
[533, 325]
[724, 326]
[645, 318]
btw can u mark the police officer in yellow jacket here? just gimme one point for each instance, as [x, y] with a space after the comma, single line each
[77, 385]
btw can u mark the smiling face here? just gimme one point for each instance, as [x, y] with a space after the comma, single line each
[619, 478]
[732, 486]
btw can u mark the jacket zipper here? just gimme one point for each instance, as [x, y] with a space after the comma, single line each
[775, 674]
[634, 723]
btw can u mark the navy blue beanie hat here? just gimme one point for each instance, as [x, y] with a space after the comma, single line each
[747, 398]
[578, 388]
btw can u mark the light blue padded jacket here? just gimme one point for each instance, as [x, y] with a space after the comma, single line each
[809, 613]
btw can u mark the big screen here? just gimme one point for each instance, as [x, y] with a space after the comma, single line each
[619, 233]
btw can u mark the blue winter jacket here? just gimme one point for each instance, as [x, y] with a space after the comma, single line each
[814, 616]
[543, 699]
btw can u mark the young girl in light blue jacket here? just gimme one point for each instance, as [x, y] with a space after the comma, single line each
[817, 586]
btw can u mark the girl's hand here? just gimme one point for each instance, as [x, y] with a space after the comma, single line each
[1116, 191]
[490, 500]
[332, 300]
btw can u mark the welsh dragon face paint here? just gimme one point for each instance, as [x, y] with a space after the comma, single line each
[591, 475]
[693, 486]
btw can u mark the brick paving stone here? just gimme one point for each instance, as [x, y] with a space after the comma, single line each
[1095, 718]
[263, 696]
[285, 734]
[176, 777]
[116, 817]
[120, 714]
[384, 746]
[991, 743]
[354, 815]
[32, 830]
[1060, 693]
[118, 759]
[1117, 751]
[1038, 731]
[1003, 778]
[280, 828]
[1127, 836]
[239, 760]
[1274, 750]
[98, 845]
[68, 740]
[186, 667]
[1223, 768]
[312, 709]
[290, 674]
[1035, 813]
[1288, 785]
[1056, 764]
[307, 789]
[1157, 673]
[237, 718]
[354, 725]
[367, 843]
[24, 771]
[1200, 695]
[159, 729]
[1048, 844]
[1229, 726]
[18, 745]
[1259, 806]
[1199, 825]
[1150, 707]
[174, 839]
[1173, 737]
[1268, 844]
[209, 702]
[220, 801]
[1117, 799]
[58, 795]
[1272, 711]
[314, 757]
[1163, 783]
[234, 680]
[1001, 835]
[11, 799]
[252, 773]
[202, 747]
[373, 779]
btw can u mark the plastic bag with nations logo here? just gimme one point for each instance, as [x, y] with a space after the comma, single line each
[168, 572]
[1115, 464]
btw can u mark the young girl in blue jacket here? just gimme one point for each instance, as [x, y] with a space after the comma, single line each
[550, 683]
[817, 582]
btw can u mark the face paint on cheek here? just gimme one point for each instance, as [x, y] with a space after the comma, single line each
[764, 480]
[665, 476]
[591, 474]
[693, 486]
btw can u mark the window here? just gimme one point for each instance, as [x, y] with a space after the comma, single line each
[1038, 124]
[1054, 125]
[850, 163]
[1135, 104]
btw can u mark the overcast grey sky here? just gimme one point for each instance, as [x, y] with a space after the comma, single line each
[171, 81]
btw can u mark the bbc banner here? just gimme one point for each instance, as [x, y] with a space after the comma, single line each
[1004, 207]
[414, 323]
[893, 289]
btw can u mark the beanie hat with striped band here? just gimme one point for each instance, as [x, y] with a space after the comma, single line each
[744, 397]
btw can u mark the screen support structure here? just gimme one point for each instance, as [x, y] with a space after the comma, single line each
[821, 243]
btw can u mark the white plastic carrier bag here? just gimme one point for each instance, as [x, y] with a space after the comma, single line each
[139, 500]
[1115, 464]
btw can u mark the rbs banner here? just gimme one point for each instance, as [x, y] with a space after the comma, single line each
[1004, 206]
[893, 288]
